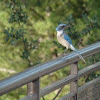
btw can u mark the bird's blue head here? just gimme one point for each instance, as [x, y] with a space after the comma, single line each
[61, 26]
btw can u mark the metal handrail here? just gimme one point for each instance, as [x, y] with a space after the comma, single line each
[68, 79]
[56, 85]
[40, 70]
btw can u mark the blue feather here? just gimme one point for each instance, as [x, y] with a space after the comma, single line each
[66, 37]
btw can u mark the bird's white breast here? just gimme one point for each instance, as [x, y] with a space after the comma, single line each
[59, 33]
[63, 42]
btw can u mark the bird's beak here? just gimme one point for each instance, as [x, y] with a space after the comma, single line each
[66, 26]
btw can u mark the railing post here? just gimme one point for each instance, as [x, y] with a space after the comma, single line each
[33, 88]
[74, 85]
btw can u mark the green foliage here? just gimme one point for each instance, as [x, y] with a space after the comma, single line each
[17, 36]
[13, 36]
[89, 26]
[17, 13]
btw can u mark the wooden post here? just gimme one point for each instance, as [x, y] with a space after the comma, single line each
[74, 85]
[33, 89]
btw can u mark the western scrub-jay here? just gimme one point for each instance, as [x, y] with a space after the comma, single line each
[65, 40]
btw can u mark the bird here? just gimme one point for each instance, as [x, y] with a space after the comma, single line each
[65, 40]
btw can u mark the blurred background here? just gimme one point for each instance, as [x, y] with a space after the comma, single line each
[43, 16]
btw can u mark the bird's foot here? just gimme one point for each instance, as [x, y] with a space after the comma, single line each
[63, 54]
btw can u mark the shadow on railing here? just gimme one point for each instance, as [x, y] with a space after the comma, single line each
[32, 75]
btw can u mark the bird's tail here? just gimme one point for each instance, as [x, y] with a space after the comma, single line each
[80, 56]
[73, 48]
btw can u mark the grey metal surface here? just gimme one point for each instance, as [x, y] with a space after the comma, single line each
[57, 85]
[33, 89]
[68, 79]
[90, 90]
[84, 93]
[88, 84]
[29, 97]
[68, 96]
[74, 84]
[35, 72]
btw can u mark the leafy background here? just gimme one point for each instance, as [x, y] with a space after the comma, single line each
[41, 19]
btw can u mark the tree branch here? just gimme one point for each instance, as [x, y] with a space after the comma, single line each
[36, 13]
[43, 98]
[58, 93]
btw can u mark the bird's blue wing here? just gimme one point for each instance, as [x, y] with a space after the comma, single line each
[66, 37]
